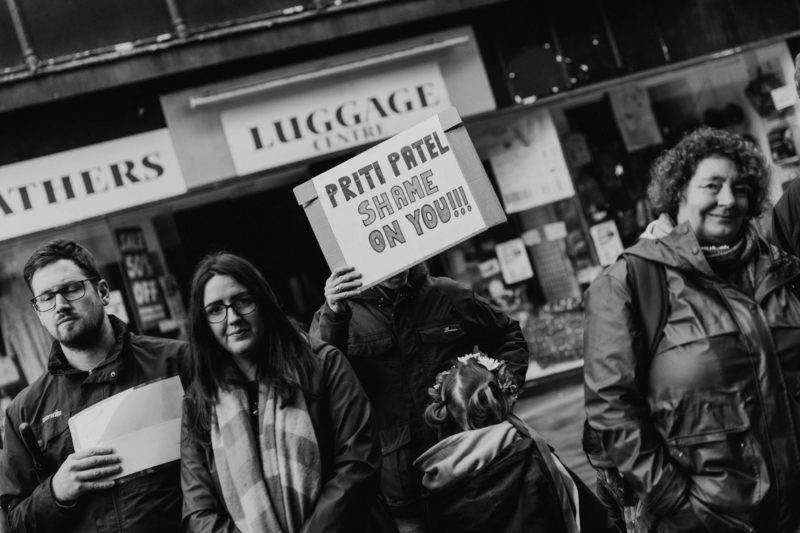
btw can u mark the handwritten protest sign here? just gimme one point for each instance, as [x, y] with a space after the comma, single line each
[402, 201]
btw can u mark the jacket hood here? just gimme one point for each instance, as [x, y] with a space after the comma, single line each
[462, 454]
[660, 227]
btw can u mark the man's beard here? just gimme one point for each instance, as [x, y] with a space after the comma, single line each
[84, 337]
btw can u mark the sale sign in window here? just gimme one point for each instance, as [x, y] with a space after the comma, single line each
[139, 268]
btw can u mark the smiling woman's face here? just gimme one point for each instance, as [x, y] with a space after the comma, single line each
[715, 202]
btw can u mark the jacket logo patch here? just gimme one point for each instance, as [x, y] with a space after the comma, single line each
[51, 416]
[451, 329]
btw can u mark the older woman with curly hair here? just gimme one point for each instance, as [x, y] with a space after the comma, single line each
[700, 416]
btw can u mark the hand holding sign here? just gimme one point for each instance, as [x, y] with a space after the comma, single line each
[401, 202]
[343, 283]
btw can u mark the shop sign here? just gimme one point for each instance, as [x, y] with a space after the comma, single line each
[339, 116]
[142, 278]
[531, 169]
[402, 201]
[94, 180]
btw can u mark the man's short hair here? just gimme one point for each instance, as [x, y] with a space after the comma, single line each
[57, 250]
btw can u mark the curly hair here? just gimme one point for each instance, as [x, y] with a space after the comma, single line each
[675, 167]
[470, 398]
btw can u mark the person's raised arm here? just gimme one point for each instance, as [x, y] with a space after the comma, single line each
[331, 322]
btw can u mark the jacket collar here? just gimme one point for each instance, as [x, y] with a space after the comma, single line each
[678, 248]
[108, 369]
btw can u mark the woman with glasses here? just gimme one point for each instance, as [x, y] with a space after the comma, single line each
[277, 435]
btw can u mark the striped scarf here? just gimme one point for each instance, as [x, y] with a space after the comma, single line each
[278, 495]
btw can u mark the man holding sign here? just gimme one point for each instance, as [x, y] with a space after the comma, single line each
[44, 484]
[397, 336]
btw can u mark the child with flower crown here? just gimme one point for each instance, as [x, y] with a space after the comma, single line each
[490, 471]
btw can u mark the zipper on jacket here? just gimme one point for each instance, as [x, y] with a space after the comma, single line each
[757, 326]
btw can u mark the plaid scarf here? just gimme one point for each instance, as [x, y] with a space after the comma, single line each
[278, 495]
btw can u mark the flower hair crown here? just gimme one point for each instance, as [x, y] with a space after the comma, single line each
[505, 378]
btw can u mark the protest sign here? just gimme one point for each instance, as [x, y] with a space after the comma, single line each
[402, 201]
[142, 425]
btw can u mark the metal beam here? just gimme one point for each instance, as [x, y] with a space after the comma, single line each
[159, 60]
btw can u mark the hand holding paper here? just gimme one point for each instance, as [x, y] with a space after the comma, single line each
[85, 471]
[141, 425]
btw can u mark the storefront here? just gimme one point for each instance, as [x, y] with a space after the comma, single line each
[571, 173]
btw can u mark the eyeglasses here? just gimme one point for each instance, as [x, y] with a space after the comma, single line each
[71, 292]
[217, 312]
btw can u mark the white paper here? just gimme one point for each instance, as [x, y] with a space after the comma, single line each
[532, 237]
[142, 425]
[532, 172]
[555, 231]
[606, 242]
[514, 261]
[783, 97]
[635, 118]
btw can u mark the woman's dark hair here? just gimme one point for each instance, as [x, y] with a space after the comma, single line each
[470, 398]
[285, 353]
[676, 166]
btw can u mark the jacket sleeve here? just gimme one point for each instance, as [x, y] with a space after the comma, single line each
[785, 230]
[356, 458]
[203, 509]
[616, 404]
[500, 335]
[28, 501]
[331, 328]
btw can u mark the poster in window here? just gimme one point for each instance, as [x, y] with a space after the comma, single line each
[530, 168]
[635, 118]
[514, 261]
[606, 241]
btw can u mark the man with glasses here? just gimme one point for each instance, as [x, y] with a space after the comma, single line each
[44, 485]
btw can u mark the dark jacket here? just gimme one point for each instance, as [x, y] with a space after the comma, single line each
[397, 348]
[707, 432]
[147, 502]
[343, 426]
[785, 231]
[509, 489]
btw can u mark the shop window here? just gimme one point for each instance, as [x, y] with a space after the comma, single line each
[64, 28]
[584, 41]
[637, 34]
